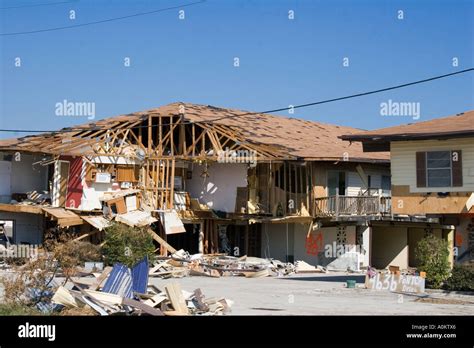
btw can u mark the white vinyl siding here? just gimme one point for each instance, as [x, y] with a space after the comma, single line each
[356, 187]
[355, 184]
[403, 162]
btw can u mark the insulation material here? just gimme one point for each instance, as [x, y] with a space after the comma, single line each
[98, 222]
[136, 218]
[171, 222]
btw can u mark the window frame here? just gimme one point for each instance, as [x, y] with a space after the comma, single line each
[428, 169]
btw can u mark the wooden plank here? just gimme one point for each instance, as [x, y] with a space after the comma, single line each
[85, 235]
[176, 297]
[98, 282]
[172, 184]
[172, 135]
[107, 298]
[162, 242]
[19, 208]
[70, 222]
[149, 135]
[142, 306]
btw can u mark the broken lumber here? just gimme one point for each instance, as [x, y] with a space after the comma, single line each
[98, 282]
[142, 306]
[176, 298]
[105, 297]
[161, 241]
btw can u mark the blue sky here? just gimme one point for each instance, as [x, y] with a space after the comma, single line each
[282, 61]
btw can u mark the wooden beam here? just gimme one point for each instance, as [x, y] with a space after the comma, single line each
[161, 241]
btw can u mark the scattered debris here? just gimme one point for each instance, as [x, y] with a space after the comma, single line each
[303, 267]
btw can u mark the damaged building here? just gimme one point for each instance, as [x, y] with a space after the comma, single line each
[211, 180]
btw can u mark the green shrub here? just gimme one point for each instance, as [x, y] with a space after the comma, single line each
[432, 254]
[127, 245]
[462, 278]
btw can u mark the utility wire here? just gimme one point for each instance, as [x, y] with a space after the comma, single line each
[102, 21]
[68, 130]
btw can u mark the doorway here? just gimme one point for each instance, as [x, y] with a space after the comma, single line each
[336, 183]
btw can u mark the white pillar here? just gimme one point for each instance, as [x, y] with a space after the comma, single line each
[366, 245]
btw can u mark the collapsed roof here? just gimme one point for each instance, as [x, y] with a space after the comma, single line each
[276, 137]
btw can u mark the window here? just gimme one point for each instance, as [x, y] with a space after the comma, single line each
[439, 169]
[386, 185]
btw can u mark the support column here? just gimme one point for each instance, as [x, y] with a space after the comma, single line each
[449, 236]
[366, 245]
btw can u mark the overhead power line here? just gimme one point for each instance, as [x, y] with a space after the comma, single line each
[68, 130]
[102, 21]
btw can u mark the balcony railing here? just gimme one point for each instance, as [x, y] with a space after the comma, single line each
[352, 205]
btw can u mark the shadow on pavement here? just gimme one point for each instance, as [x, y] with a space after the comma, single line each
[338, 278]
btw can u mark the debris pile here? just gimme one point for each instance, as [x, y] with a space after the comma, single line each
[181, 264]
[126, 291]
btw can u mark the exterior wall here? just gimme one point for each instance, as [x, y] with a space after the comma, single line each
[329, 237]
[5, 181]
[389, 247]
[275, 241]
[409, 199]
[405, 202]
[74, 187]
[28, 228]
[219, 190]
[26, 177]
[23, 176]
[353, 181]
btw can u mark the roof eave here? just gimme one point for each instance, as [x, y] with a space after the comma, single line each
[406, 136]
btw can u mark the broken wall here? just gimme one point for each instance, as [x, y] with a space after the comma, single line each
[313, 249]
[217, 189]
[19, 175]
[27, 228]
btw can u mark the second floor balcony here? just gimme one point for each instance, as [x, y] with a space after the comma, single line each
[335, 206]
